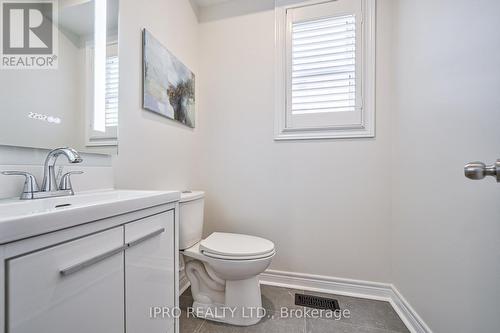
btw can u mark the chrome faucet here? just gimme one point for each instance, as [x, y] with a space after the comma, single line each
[49, 175]
[49, 186]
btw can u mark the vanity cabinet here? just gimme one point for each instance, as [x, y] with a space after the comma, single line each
[41, 299]
[105, 281]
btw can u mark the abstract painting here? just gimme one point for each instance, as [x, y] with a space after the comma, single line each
[168, 85]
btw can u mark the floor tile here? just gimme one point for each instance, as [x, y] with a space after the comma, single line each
[266, 325]
[366, 316]
[273, 298]
[186, 299]
[187, 292]
[332, 326]
[189, 324]
[367, 313]
[185, 302]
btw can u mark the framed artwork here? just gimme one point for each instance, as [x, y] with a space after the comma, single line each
[168, 85]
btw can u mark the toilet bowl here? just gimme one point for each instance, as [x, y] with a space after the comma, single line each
[223, 268]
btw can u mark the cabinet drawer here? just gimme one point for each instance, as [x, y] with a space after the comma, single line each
[74, 287]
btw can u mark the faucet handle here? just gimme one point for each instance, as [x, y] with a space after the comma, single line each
[30, 184]
[65, 184]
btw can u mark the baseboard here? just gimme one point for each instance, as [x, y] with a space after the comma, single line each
[183, 282]
[348, 287]
[404, 310]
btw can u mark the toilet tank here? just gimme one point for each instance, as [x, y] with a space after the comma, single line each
[190, 218]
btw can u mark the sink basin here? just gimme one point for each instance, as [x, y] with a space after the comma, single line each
[20, 219]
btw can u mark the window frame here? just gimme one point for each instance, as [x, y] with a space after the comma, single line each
[366, 127]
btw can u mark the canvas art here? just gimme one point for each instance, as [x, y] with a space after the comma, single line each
[168, 85]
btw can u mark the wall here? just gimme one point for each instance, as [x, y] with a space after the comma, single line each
[446, 248]
[98, 173]
[325, 204]
[154, 152]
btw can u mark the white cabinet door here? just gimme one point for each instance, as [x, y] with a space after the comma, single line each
[88, 298]
[149, 273]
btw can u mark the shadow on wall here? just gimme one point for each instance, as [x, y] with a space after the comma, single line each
[233, 8]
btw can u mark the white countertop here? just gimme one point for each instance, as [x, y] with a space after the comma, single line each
[27, 218]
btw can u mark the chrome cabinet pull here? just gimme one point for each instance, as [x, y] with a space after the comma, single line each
[89, 262]
[145, 238]
[479, 170]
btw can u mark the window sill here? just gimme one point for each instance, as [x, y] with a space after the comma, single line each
[324, 134]
[112, 142]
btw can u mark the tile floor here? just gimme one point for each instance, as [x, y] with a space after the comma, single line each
[366, 316]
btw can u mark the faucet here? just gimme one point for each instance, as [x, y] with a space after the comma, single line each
[49, 186]
[49, 176]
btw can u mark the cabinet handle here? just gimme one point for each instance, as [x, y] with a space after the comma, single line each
[89, 262]
[145, 238]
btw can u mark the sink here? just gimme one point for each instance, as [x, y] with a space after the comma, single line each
[26, 218]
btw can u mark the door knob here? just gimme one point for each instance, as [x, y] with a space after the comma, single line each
[479, 170]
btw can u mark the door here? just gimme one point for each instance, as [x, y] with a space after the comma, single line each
[74, 287]
[445, 232]
[150, 273]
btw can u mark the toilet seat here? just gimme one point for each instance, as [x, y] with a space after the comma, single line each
[229, 246]
[217, 256]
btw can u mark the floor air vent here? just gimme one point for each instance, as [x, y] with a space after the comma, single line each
[317, 302]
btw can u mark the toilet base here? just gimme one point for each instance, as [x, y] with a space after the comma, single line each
[226, 290]
[242, 306]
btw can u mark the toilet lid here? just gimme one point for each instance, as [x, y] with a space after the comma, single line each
[236, 245]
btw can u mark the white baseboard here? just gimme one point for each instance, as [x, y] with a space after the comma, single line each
[183, 282]
[348, 287]
[404, 310]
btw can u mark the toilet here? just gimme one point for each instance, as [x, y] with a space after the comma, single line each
[223, 268]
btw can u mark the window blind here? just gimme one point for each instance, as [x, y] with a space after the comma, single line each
[323, 74]
[112, 78]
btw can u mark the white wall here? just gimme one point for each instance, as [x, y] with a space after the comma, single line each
[325, 204]
[98, 173]
[154, 152]
[446, 228]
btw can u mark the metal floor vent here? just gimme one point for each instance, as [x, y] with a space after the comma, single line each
[317, 302]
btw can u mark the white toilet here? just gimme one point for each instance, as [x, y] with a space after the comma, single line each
[223, 268]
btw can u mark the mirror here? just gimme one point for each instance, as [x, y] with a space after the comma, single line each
[74, 103]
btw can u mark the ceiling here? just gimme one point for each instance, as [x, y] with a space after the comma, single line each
[208, 3]
[77, 17]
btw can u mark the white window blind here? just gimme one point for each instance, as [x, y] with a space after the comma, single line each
[112, 79]
[323, 70]
[111, 97]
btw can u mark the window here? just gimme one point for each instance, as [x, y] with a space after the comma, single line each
[325, 69]
[111, 108]
[110, 136]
